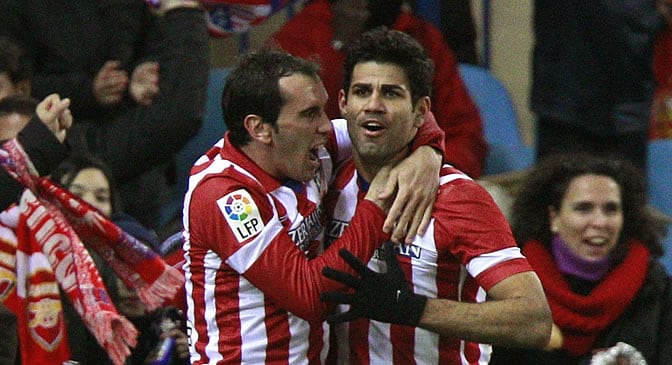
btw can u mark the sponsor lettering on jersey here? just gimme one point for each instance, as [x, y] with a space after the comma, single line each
[307, 231]
[241, 213]
[335, 230]
[402, 249]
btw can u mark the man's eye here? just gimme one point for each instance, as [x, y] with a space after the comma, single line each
[312, 113]
[360, 92]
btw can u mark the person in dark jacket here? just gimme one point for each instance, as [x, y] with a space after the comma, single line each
[137, 82]
[41, 131]
[592, 77]
[583, 225]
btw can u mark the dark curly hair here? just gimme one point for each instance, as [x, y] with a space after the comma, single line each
[253, 88]
[546, 185]
[393, 47]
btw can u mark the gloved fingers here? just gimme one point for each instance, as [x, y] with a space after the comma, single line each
[336, 297]
[354, 262]
[391, 260]
[390, 257]
[341, 277]
[343, 317]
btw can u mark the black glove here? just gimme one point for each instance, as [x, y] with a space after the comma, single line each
[384, 297]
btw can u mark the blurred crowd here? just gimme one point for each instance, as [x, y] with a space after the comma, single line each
[98, 97]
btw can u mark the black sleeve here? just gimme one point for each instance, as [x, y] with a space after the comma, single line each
[10, 342]
[65, 61]
[141, 138]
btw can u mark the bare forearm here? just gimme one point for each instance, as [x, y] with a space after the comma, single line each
[518, 321]
[490, 322]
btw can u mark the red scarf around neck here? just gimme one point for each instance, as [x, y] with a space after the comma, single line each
[583, 318]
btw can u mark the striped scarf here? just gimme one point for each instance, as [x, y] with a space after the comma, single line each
[41, 247]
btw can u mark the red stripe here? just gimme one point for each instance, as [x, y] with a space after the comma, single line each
[358, 335]
[403, 338]
[277, 327]
[316, 343]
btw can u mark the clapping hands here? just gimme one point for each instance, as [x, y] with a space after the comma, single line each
[55, 113]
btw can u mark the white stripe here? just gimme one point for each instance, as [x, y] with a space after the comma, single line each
[8, 236]
[25, 265]
[10, 216]
[486, 353]
[452, 177]
[380, 346]
[299, 340]
[8, 260]
[483, 262]
[289, 201]
[211, 264]
[424, 271]
[189, 290]
[247, 255]
[252, 327]
[325, 341]
[426, 349]
[463, 359]
[342, 140]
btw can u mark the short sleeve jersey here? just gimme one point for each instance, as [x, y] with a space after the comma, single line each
[467, 248]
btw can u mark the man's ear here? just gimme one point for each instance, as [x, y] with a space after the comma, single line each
[257, 129]
[422, 107]
[342, 102]
[23, 87]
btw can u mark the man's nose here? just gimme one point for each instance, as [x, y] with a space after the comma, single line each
[375, 102]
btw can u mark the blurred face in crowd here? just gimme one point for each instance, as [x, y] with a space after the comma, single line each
[92, 186]
[590, 217]
[12, 124]
[382, 119]
[8, 87]
[302, 128]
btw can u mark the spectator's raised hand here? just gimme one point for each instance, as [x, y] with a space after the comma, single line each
[55, 113]
[145, 83]
[110, 83]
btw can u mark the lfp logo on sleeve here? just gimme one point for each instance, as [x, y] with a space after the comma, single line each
[241, 214]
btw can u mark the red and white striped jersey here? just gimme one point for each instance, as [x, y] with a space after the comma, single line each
[468, 248]
[252, 296]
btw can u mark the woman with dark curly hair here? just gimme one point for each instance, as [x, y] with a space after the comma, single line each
[582, 222]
